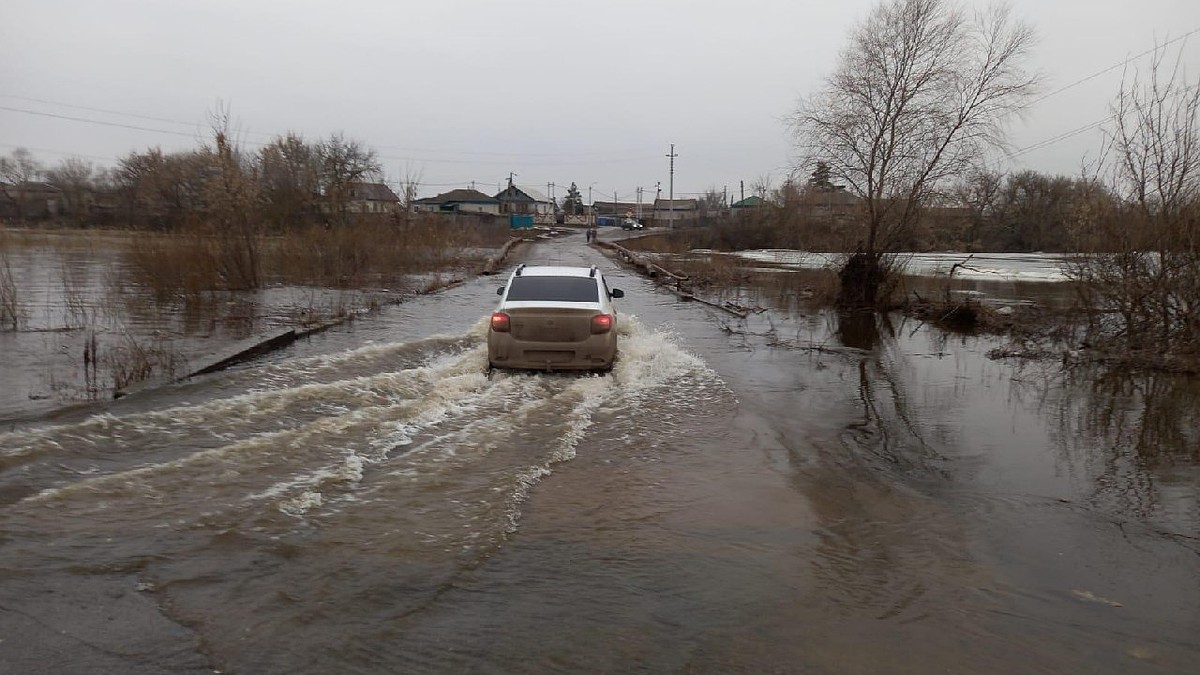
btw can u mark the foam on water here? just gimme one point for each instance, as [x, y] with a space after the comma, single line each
[301, 504]
[250, 408]
[421, 395]
[387, 442]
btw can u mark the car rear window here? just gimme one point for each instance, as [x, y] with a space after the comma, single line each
[553, 289]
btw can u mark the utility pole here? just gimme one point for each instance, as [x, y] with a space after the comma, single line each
[743, 189]
[671, 194]
[639, 202]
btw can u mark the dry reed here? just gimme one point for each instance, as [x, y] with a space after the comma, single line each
[12, 311]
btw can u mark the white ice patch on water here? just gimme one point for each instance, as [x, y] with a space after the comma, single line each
[1040, 267]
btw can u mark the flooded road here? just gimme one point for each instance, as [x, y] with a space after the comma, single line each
[799, 492]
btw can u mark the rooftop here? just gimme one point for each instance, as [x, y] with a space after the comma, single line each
[460, 195]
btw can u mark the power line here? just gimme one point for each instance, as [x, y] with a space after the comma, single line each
[261, 134]
[15, 146]
[429, 160]
[101, 122]
[1113, 67]
[99, 110]
[1063, 136]
[1092, 125]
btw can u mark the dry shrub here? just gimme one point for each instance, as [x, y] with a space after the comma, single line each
[672, 242]
[870, 280]
[338, 257]
[966, 315]
[131, 361]
[710, 270]
[379, 251]
[437, 243]
[799, 288]
[12, 312]
[1141, 277]
[368, 252]
[182, 266]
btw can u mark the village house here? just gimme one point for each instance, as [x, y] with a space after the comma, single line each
[748, 204]
[621, 209]
[462, 200]
[674, 212]
[371, 198]
[34, 200]
[516, 200]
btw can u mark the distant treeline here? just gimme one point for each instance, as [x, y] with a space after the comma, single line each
[988, 211]
[288, 182]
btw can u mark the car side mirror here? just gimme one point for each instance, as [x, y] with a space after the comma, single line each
[617, 293]
[500, 291]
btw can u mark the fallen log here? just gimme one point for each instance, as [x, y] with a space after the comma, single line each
[668, 273]
[684, 295]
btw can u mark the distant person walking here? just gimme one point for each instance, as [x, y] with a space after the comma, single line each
[591, 234]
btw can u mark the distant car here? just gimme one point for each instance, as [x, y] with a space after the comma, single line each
[630, 224]
[554, 318]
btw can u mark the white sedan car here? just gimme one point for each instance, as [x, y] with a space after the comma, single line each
[554, 318]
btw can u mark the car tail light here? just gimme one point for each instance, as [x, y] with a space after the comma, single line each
[602, 323]
[500, 322]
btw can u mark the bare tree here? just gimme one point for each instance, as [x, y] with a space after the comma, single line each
[163, 190]
[920, 92]
[73, 176]
[20, 170]
[712, 201]
[289, 171]
[1145, 262]
[410, 186]
[763, 186]
[344, 163]
[979, 191]
[231, 206]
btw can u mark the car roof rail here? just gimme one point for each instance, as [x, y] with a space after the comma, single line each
[519, 268]
[592, 273]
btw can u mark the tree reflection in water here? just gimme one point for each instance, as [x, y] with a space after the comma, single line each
[1130, 442]
[1129, 431]
[890, 429]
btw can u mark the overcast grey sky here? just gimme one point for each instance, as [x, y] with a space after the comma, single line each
[469, 90]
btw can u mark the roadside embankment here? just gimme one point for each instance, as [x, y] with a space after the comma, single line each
[680, 284]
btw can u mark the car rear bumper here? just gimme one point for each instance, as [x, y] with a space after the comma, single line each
[597, 352]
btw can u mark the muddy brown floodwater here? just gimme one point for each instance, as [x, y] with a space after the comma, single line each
[799, 492]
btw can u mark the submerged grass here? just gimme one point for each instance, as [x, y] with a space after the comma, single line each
[374, 253]
[124, 301]
[377, 254]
